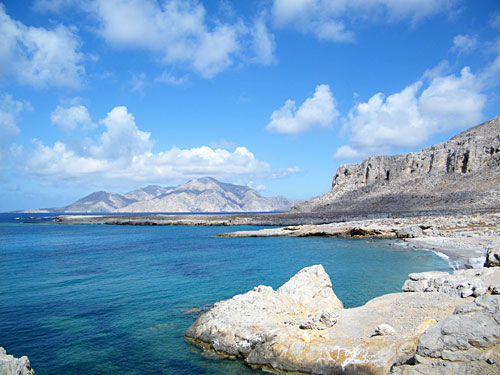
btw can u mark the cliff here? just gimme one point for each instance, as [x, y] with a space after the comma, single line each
[462, 173]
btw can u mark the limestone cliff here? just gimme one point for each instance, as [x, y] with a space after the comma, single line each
[462, 173]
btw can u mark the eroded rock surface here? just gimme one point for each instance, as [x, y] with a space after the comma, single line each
[462, 283]
[467, 342]
[303, 327]
[9, 365]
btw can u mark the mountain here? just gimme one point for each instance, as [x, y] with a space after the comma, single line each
[462, 173]
[200, 195]
[209, 195]
[99, 201]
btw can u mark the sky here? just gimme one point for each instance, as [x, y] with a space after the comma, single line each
[274, 94]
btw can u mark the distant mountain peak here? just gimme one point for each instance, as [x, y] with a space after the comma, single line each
[205, 194]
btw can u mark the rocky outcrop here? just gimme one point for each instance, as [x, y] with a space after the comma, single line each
[462, 283]
[234, 327]
[463, 172]
[9, 365]
[468, 342]
[303, 328]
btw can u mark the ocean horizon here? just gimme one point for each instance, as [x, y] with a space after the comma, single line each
[94, 299]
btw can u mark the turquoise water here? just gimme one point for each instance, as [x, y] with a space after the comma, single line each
[95, 299]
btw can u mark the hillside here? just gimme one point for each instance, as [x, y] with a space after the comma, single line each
[200, 195]
[462, 173]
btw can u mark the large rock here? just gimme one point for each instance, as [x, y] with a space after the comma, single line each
[302, 327]
[235, 326]
[468, 342]
[9, 365]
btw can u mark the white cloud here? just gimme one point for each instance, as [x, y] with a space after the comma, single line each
[70, 118]
[9, 112]
[39, 57]
[263, 43]
[178, 31]
[170, 79]
[464, 44]
[326, 19]
[319, 111]
[410, 117]
[123, 154]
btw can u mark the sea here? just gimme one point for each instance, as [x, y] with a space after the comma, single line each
[110, 299]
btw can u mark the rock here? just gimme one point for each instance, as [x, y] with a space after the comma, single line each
[413, 231]
[9, 365]
[467, 342]
[306, 330]
[311, 287]
[384, 330]
[462, 283]
[235, 326]
[493, 257]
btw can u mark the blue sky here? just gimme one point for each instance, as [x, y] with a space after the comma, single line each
[274, 94]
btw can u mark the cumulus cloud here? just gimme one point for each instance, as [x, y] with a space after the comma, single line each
[318, 111]
[70, 118]
[464, 44]
[326, 19]
[408, 118]
[9, 112]
[179, 32]
[39, 57]
[123, 154]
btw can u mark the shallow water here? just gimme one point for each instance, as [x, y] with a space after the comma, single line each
[95, 299]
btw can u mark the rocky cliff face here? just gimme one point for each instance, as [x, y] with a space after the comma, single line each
[463, 172]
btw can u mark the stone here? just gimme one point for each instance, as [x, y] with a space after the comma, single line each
[9, 365]
[493, 257]
[384, 330]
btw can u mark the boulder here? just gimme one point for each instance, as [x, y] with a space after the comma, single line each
[235, 326]
[493, 257]
[9, 365]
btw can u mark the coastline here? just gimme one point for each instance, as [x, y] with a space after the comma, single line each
[463, 237]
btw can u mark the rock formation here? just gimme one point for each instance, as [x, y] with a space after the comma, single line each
[9, 365]
[201, 195]
[303, 328]
[462, 173]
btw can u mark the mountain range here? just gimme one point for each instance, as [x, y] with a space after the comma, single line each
[199, 195]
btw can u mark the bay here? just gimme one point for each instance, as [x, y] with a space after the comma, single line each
[95, 299]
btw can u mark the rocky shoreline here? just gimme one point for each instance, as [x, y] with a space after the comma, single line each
[441, 324]
[9, 365]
